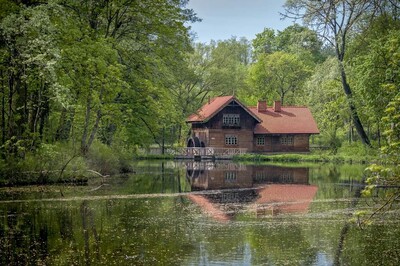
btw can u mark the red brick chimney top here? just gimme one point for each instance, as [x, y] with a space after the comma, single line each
[262, 106]
[277, 106]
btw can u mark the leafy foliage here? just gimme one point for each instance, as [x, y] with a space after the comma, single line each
[387, 172]
[75, 71]
[115, 76]
[279, 73]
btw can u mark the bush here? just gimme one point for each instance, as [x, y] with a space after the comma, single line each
[49, 163]
[108, 161]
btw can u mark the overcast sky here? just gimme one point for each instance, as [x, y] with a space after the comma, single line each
[223, 19]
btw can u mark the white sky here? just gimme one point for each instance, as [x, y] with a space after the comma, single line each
[223, 19]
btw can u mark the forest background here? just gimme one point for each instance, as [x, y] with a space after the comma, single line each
[88, 84]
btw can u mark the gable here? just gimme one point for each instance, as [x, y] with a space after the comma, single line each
[216, 105]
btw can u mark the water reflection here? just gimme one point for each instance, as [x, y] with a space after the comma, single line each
[153, 218]
[231, 188]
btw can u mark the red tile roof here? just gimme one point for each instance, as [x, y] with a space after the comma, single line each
[212, 107]
[272, 199]
[290, 120]
[209, 207]
[286, 198]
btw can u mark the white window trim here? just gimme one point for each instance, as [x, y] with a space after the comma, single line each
[231, 120]
[287, 140]
[231, 140]
[260, 141]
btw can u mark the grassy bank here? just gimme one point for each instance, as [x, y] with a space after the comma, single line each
[319, 157]
[62, 163]
[350, 153]
[154, 157]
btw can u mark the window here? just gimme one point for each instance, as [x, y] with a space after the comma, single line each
[260, 141]
[231, 120]
[260, 176]
[231, 140]
[287, 177]
[287, 140]
[230, 177]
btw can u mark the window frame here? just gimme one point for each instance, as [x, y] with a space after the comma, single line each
[231, 140]
[287, 140]
[230, 176]
[231, 120]
[260, 141]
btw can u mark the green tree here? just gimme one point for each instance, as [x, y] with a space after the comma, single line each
[149, 39]
[300, 40]
[387, 172]
[29, 81]
[218, 68]
[264, 43]
[328, 105]
[335, 21]
[294, 39]
[78, 71]
[372, 51]
[279, 73]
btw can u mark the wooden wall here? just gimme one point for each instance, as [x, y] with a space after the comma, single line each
[213, 133]
[273, 144]
[251, 176]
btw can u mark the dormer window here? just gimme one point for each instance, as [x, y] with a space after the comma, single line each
[231, 120]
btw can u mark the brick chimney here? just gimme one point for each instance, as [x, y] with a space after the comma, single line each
[262, 106]
[277, 106]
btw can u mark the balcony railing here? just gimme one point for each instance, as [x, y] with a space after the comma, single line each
[209, 152]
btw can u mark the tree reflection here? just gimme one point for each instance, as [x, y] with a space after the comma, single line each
[124, 228]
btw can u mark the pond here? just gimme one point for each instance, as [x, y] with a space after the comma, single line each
[199, 213]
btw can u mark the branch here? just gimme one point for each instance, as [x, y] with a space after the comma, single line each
[151, 131]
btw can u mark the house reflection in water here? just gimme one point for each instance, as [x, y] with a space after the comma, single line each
[228, 188]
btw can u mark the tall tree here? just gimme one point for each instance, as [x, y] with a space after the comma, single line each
[149, 38]
[300, 40]
[327, 103]
[373, 70]
[264, 43]
[294, 39]
[278, 73]
[28, 58]
[335, 21]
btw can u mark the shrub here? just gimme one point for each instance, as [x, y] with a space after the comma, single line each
[108, 160]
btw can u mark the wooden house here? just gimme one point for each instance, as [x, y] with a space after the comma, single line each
[224, 122]
[263, 189]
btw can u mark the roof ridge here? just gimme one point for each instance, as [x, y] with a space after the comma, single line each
[283, 106]
[216, 97]
[294, 106]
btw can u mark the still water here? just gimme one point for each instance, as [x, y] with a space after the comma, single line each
[199, 213]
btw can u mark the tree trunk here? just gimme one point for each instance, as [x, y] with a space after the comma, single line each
[379, 134]
[282, 98]
[10, 126]
[44, 113]
[163, 141]
[3, 111]
[95, 128]
[84, 146]
[356, 119]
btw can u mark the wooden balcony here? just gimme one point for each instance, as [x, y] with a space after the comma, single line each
[208, 153]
